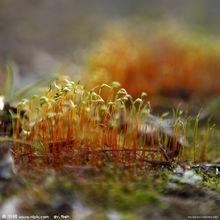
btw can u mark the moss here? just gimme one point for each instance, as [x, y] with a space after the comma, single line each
[73, 125]
[178, 66]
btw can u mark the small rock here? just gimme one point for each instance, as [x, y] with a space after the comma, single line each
[10, 207]
[179, 170]
[191, 178]
[6, 161]
[80, 211]
[188, 177]
[113, 215]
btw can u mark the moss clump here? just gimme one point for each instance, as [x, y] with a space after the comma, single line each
[173, 63]
[70, 124]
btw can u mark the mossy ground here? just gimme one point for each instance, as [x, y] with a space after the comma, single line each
[97, 192]
[106, 192]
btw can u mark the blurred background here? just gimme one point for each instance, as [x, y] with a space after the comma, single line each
[39, 36]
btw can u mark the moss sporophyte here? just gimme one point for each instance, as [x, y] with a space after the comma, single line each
[70, 124]
[173, 63]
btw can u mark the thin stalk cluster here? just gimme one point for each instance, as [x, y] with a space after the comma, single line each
[72, 125]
